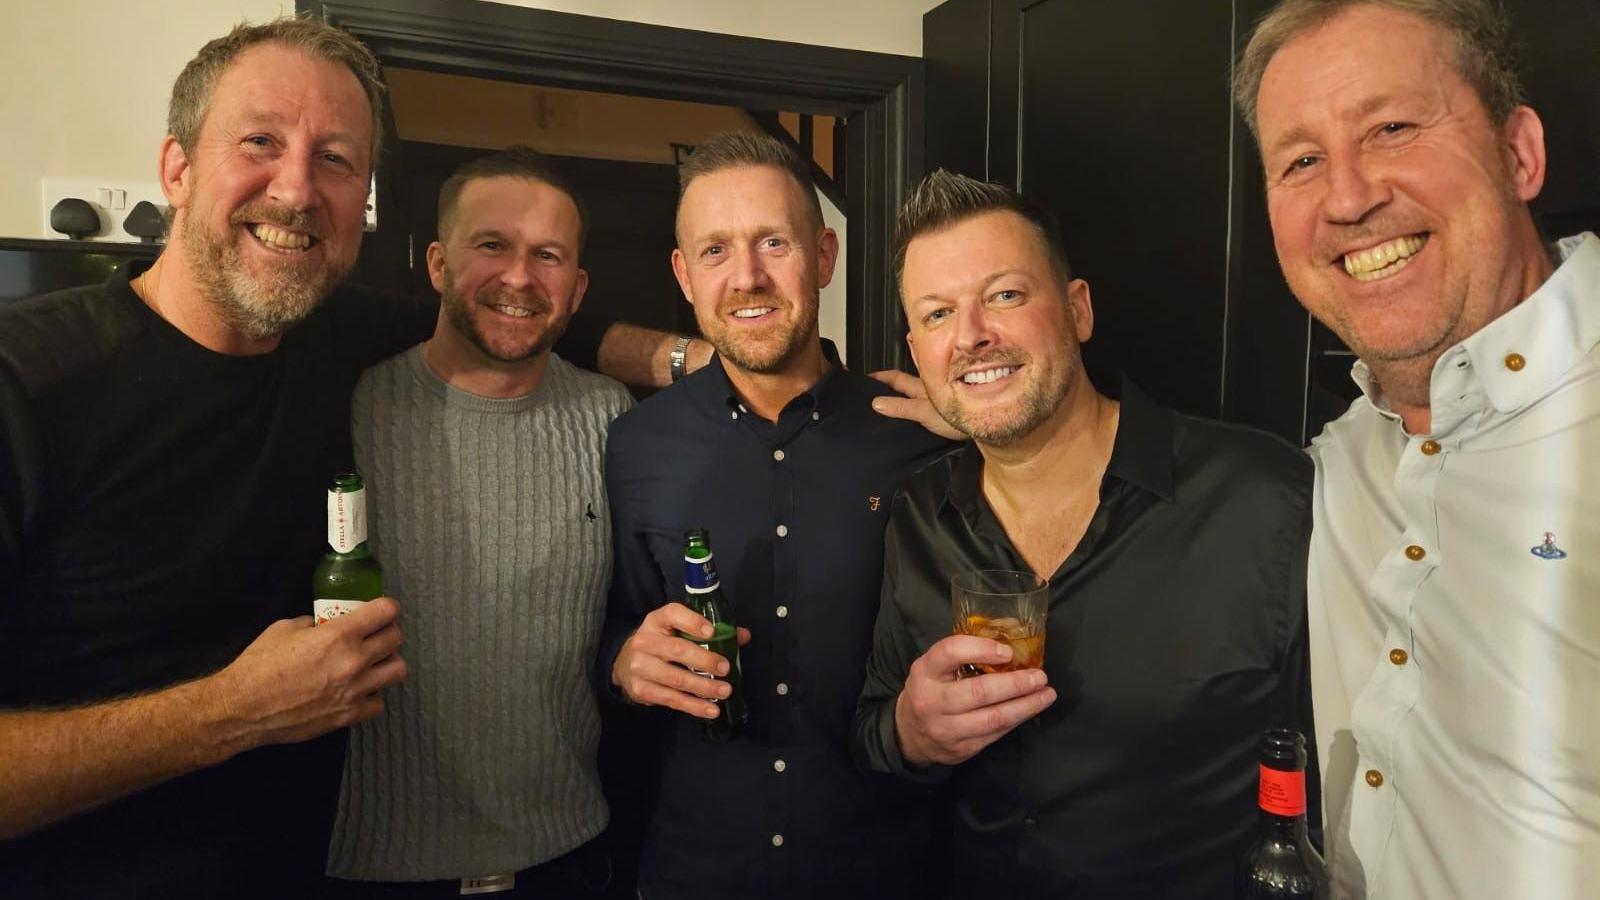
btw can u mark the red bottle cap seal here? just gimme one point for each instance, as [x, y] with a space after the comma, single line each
[1283, 793]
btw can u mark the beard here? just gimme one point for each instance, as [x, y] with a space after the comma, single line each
[459, 314]
[770, 351]
[1040, 399]
[261, 305]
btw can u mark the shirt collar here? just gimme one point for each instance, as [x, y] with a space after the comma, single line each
[1550, 331]
[1141, 455]
[711, 385]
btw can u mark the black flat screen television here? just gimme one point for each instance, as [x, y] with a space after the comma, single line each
[29, 267]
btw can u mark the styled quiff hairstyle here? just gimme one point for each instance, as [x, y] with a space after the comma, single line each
[945, 198]
[732, 149]
[516, 161]
[1485, 55]
[191, 93]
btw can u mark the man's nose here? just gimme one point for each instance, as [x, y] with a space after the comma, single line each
[292, 185]
[749, 273]
[974, 330]
[1353, 189]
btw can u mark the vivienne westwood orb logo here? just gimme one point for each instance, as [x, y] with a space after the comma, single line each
[1548, 549]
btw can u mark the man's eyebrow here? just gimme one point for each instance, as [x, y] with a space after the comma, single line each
[1301, 133]
[263, 116]
[987, 280]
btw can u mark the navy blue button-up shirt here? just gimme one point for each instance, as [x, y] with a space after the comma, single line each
[796, 510]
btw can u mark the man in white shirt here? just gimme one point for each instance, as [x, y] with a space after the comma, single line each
[1454, 582]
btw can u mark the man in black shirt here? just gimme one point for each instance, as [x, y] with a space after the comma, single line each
[775, 449]
[1175, 553]
[170, 723]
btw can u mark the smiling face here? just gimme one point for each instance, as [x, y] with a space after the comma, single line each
[1398, 208]
[508, 269]
[269, 202]
[751, 259]
[993, 327]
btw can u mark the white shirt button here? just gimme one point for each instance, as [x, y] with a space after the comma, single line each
[783, 531]
[816, 416]
[777, 840]
[779, 765]
[783, 689]
[733, 414]
[783, 612]
[777, 455]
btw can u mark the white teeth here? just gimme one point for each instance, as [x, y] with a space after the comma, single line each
[751, 313]
[515, 311]
[988, 375]
[1383, 260]
[279, 239]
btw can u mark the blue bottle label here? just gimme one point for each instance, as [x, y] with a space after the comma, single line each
[699, 575]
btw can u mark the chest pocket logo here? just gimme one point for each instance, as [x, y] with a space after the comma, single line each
[1548, 549]
[873, 502]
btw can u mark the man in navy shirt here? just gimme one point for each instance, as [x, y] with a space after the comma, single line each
[775, 449]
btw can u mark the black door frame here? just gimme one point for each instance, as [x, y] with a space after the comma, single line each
[880, 95]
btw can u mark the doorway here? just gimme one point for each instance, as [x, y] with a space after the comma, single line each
[877, 98]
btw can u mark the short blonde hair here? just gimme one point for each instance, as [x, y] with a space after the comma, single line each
[191, 93]
[1485, 56]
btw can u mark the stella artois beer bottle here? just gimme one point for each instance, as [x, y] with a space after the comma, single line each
[348, 575]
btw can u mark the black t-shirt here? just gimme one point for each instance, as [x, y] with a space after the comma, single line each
[160, 505]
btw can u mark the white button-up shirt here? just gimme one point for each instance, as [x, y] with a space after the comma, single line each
[1467, 765]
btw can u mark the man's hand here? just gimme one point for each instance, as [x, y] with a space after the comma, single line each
[650, 668]
[914, 405]
[296, 682]
[940, 719]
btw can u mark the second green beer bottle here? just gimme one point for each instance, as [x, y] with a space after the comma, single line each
[348, 574]
[703, 594]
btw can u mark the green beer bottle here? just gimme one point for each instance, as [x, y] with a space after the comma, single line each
[704, 596]
[348, 574]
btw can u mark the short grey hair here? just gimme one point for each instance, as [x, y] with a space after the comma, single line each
[191, 93]
[1485, 53]
[945, 198]
[732, 149]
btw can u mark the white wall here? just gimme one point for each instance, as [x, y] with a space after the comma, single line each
[86, 86]
[87, 81]
[881, 26]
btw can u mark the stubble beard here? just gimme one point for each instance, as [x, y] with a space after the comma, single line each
[458, 313]
[261, 306]
[1038, 403]
[763, 357]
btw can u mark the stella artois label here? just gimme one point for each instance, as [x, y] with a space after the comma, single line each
[347, 520]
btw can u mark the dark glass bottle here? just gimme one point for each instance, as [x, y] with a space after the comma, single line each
[348, 574]
[1282, 863]
[703, 594]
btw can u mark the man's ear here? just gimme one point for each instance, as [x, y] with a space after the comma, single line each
[436, 266]
[827, 256]
[1524, 141]
[1082, 308]
[680, 270]
[175, 173]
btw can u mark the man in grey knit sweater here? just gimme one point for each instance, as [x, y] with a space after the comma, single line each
[482, 452]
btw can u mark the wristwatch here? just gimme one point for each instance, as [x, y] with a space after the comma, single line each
[680, 353]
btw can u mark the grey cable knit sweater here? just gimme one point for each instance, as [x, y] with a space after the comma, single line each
[490, 519]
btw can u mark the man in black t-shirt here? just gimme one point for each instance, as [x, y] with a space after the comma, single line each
[172, 720]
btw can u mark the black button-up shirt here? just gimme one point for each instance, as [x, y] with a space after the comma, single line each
[1176, 636]
[796, 511]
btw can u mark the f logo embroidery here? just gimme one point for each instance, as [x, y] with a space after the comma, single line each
[873, 502]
